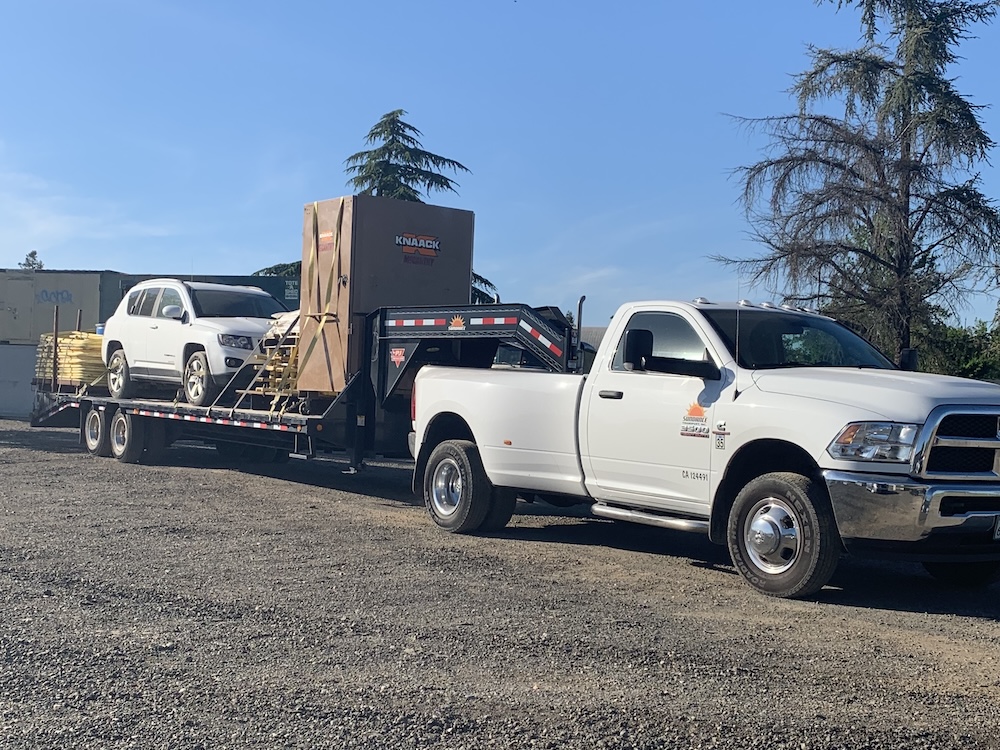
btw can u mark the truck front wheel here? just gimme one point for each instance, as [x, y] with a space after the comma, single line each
[782, 535]
[457, 491]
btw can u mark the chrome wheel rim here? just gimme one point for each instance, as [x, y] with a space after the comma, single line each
[116, 377]
[194, 379]
[92, 430]
[446, 487]
[771, 535]
[119, 434]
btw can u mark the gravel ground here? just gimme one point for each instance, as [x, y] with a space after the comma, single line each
[192, 605]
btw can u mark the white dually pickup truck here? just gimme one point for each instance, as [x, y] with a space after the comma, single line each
[777, 432]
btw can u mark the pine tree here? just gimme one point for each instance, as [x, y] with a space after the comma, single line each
[879, 209]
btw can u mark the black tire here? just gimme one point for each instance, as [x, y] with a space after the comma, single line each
[965, 575]
[457, 492]
[120, 383]
[782, 535]
[128, 439]
[97, 433]
[156, 439]
[501, 509]
[199, 387]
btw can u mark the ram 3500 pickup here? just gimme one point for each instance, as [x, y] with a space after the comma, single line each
[777, 432]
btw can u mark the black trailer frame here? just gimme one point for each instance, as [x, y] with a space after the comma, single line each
[370, 416]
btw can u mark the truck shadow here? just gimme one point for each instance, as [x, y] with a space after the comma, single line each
[901, 586]
[867, 584]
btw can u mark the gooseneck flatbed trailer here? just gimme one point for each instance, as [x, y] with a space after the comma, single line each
[252, 420]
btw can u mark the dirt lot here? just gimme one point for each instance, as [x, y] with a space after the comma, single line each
[193, 605]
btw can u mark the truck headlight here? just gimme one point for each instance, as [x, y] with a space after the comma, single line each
[235, 342]
[874, 441]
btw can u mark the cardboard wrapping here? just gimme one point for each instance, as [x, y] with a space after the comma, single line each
[362, 252]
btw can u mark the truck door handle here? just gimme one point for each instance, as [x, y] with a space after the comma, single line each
[610, 394]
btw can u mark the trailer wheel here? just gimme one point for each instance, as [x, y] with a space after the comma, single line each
[782, 535]
[965, 575]
[199, 388]
[128, 439]
[259, 454]
[120, 383]
[501, 509]
[230, 452]
[97, 433]
[457, 492]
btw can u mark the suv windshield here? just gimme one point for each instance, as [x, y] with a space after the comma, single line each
[769, 339]
[212, 303]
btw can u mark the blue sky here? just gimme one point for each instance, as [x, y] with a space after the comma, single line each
[180, 136]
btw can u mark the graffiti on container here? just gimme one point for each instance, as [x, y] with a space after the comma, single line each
[54, 296]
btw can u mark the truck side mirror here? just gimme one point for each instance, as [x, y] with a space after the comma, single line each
[694, 368]
[638, 348]
[908, 360]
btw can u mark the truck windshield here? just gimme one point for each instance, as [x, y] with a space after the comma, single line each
[213, 303]
[770, 339]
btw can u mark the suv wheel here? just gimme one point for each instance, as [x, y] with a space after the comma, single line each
[120, 383]
[199, 387]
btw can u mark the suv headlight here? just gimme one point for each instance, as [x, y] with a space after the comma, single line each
[874, 441]
[235, 342]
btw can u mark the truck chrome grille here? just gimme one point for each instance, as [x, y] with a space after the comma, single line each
[959, 442]
[968, 425]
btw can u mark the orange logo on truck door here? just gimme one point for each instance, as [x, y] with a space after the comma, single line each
[694, 423]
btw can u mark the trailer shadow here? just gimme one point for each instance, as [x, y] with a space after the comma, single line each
[65, 440]
[383, 479]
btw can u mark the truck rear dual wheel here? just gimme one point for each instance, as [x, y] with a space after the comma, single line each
[782, 535]
[502, 506]
[457, 492]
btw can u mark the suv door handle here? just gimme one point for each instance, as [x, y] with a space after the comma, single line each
[610, 394]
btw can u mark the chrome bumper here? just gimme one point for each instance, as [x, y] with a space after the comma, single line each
[883, 508]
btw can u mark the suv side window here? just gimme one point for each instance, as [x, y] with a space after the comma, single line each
[673, 337]
[168, 297]
[148, 302]
[133, 302]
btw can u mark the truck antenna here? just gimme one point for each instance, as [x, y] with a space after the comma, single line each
[736, 343]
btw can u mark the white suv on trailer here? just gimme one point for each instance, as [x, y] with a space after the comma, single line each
[192, 334]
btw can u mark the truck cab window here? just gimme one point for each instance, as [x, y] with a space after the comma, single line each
[673, 337]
